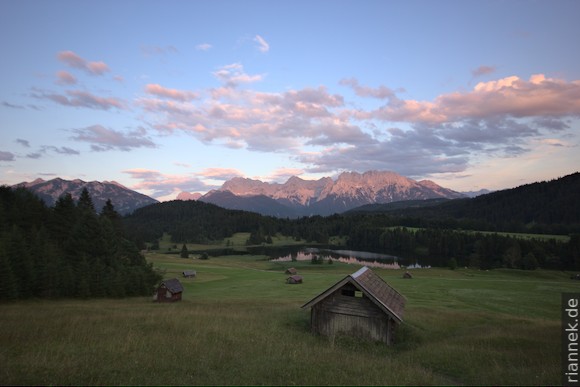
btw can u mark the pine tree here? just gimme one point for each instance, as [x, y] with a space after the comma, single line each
[184, 253]
[85, 201]
[8, 289]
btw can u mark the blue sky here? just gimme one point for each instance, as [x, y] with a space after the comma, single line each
[171, 96]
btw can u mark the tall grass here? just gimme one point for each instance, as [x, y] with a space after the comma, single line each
[239, 323]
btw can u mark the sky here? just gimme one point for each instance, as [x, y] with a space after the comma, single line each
[171, 96]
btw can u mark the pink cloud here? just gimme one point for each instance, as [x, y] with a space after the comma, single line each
[179, 95]
[220, 173]
[79, 98]
[510, 96]
[382, 92]
[232, 75]
[65, 78]
[483, 70]
[104, 139]
[73, 60]
[161, 184]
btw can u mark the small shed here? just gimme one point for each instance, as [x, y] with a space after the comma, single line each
[169, 290]
[189, 273]
[291, 271]
[361, 305]
[294, 279]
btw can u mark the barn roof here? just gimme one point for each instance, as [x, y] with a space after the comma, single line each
[173, 285]
[373, 286]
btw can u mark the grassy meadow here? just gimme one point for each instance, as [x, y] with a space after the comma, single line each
[240, 324]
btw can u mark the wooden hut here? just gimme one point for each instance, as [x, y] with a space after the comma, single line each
[189, 273]
[169, 290]
[294, 279]
[291, 271]
[361, 305]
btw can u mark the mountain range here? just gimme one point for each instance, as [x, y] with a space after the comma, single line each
[294, 198]
[298, 197]
[124, 199]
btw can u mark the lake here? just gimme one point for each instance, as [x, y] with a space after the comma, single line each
[370, 259]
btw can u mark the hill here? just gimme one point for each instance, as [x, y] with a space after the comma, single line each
[191, 221]
[542, 207]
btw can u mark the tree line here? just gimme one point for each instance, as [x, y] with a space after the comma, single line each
[432, 241]
[69, 250]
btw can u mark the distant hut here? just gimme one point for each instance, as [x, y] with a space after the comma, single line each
[361, 305]
[294, 279]
[291, 271]
[407, 275]
[189, 273]
[169, 290]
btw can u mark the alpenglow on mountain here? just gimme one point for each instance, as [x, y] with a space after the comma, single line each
[124, 200]
[298, 197]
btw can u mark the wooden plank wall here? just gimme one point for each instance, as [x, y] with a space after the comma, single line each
[357, 316]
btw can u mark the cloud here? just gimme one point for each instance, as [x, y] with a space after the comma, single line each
[510, 96]
[179, 95]
[6, 156]
[79, 98]
[203, 46]
[220, 173]
[382, 92]
[63, 150]
[65, 78]
[259, 121]
[104, 139]
[45, 149]
[263, 46]
[34, 155]
[11, 105]
[24, 143]
[160, 184]
[233, 74]
[482, 70]
[73, 60]
[319, 129]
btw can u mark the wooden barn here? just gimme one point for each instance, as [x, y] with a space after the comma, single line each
[189, 273]
[169, 290]
[291, 271]
[361, 305]
[294, 279]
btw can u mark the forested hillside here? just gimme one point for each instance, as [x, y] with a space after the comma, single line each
[66, 251]
[431, 243]
[545, 207]
[192, 221]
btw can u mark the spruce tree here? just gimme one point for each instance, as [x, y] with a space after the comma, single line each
[184, 253]
[85, 201]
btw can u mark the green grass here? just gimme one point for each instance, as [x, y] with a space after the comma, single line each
[239, 323]
[517, 235]
[237, 241]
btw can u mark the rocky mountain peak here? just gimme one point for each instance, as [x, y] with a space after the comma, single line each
[326, 196]
[124, 199]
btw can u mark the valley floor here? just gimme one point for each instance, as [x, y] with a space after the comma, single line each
[239, 323]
